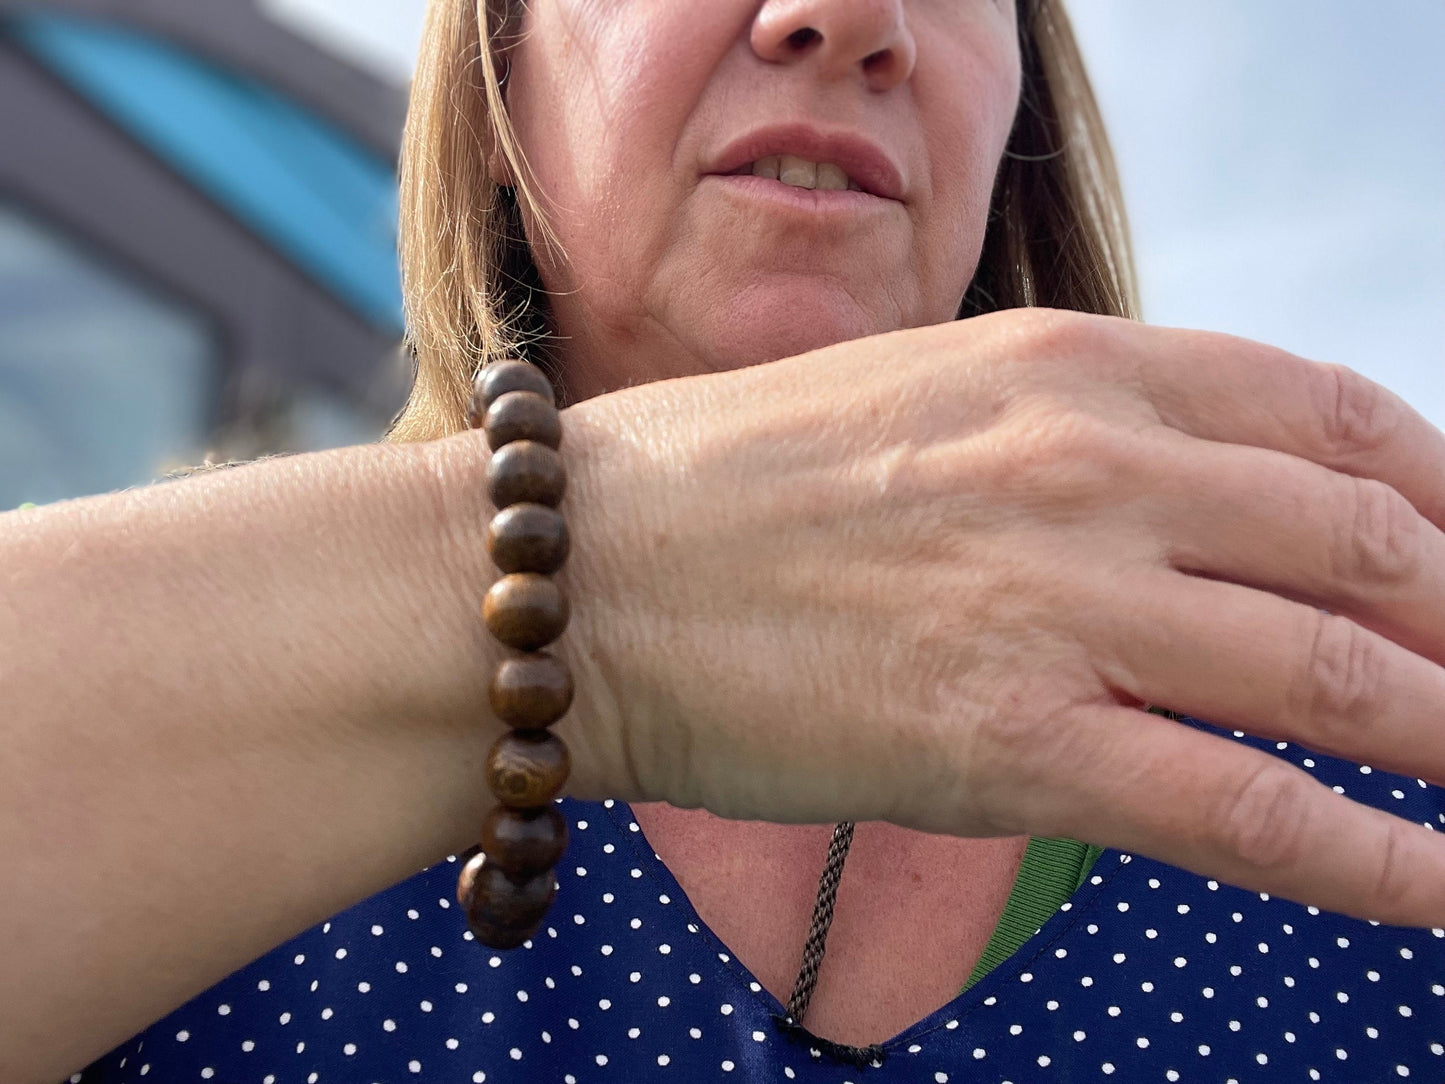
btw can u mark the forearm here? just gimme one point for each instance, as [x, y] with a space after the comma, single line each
[233, 705]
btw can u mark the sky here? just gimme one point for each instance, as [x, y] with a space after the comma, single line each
[1283, 163]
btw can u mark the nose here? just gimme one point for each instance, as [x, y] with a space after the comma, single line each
[841, 37]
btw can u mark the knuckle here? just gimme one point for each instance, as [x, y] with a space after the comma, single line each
[1264, 822]
[1381, 540]
[1005, 737]
[1394, 877]
[1357, 414]
[1055, 448]
[1022, 757]
[1009, 745]
[1047, 334]
[1340, 681]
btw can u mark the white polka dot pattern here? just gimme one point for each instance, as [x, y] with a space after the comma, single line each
[1149, 973]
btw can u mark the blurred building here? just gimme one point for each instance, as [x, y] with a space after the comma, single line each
[197, 243]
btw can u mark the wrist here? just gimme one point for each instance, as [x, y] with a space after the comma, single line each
[456, 467]
[595, 506]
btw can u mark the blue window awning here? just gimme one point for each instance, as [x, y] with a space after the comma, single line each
[291, 177]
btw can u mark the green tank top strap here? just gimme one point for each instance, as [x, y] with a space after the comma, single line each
[1051, 871]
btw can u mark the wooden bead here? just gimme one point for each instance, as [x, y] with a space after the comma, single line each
[531, 691]
[496, 380]
[525, 471]
[526, 768]
[522, 415]
[524, 842]
[528, 538]
[501, 912]
[525, 610]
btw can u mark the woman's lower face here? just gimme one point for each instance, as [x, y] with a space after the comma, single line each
[739, 181]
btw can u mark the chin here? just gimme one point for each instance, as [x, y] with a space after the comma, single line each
[766, 322]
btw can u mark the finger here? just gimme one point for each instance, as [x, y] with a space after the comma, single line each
[1219, 809]
[1352, 545]
[1232, 390]
[1254, 661]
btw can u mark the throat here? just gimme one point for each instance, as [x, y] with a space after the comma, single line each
[913, 914]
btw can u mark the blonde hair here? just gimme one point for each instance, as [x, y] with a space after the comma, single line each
[1056, 237]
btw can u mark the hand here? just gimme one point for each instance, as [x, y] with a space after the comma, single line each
[934, 577]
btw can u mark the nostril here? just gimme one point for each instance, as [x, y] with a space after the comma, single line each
[875, 60]
[801, 39]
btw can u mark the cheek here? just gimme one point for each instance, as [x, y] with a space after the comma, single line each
[559, 128]
[582, 82]
[968, 108]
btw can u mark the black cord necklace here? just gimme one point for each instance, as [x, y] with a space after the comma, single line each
[816, 944]
[813, 950]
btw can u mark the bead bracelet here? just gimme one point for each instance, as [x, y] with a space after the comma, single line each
[507, 887]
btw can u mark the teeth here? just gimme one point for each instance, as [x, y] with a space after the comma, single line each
[831, 177]
[766, 167]
[798, 172]
[801, 173]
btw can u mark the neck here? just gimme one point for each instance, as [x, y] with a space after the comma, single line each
[597, 356]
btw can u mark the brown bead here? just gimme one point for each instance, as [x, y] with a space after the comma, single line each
[522, 415]
[525, 610]
[528, 538]
[525, 471]
[501, 912]
[524, 842]
[526, 768]
[531, 691]
[496, 380]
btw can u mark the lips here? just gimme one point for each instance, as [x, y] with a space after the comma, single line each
[865, 163]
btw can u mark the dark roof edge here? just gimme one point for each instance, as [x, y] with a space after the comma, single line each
[236, 34]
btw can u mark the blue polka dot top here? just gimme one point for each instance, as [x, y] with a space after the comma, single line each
[1146, 973]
